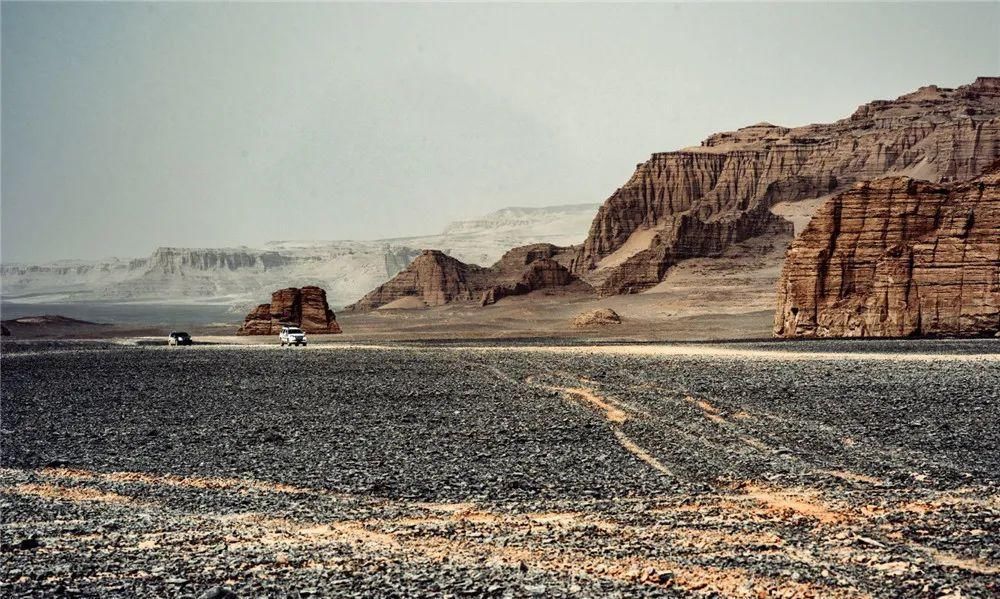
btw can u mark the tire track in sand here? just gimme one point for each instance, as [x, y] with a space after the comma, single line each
[613, 415]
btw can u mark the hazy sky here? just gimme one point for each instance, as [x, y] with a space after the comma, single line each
[128, 126]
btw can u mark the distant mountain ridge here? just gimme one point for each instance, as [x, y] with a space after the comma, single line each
[240, 276]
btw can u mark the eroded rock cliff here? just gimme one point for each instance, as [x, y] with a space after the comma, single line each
[542, 273]
[306, 308]
[897, 257]
[699, 201]
[435, 278]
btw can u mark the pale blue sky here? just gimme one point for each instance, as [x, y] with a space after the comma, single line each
[128, 126]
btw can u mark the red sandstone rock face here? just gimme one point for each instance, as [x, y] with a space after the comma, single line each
[437, 279]
[897, 257]
[699, 201]
[542, 273]
[433, 276]
[306, 308]
[515, 260]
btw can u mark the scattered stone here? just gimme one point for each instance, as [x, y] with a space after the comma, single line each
[218, 593]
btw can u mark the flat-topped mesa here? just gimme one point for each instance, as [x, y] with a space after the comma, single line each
[435, 278]
[897, 257]
[699, 201]
[306, 308]
[168, 260]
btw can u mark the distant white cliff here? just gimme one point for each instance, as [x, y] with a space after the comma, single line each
[242, 276]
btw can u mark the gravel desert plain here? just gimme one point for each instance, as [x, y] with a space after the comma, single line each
[741, 469]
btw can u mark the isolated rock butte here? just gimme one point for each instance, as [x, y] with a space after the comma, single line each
[897, 257]
[306, 308]
[598, 317]
[698, 201]
[437, 279]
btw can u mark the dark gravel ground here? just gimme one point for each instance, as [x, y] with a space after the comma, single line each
[492, 470]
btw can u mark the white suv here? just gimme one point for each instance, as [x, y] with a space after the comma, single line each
[292, 336]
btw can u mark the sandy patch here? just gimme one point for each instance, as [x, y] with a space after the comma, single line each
[801, 212]
[710, 411]
[74, 494]
[853, 477]
[639, 240]
[795, 502]
[409, 302]
[639, 452]
[950, 560]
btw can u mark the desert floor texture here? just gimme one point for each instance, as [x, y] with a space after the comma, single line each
[805, 469]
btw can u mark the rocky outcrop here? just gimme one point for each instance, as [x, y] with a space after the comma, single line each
[541, 273]
[514, 261]
[435, 278]
[598, 317]
[257, 322]
[4, 331]
[897, 257]
[698, 201]
[306, 308]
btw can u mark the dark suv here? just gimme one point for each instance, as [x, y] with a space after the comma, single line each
[179, 338]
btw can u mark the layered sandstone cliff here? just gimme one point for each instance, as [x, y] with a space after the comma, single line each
[897, 257]
[699, 201]
[435, 278]
[306, 308]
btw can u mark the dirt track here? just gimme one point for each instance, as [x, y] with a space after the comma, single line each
[502, 471]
